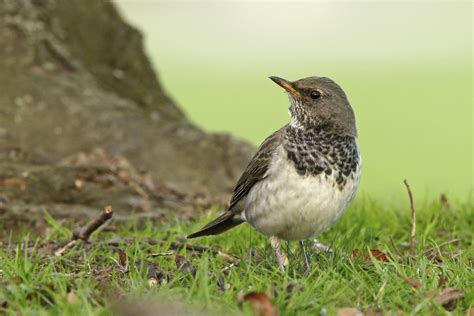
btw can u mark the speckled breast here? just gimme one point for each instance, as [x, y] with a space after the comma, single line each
[314, 152]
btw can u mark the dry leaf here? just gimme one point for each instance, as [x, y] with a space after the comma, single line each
[261, 303]
[122, 257]
[348, 311]
[376, 253]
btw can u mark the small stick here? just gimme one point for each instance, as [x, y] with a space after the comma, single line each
[413, 219]
[83, 233]
[227, 268]
[66, 247]
[162, 254]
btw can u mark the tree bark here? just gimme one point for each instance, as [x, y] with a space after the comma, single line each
[76, 84]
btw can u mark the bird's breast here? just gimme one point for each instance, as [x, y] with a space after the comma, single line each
[296, 206]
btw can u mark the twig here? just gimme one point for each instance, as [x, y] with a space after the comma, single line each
[162, 254]
[66, 247]
[83, 233]
[413, 219]
[227, 268]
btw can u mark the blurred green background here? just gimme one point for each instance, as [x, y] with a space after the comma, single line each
[406, 67]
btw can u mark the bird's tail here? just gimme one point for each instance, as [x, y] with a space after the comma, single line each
[221, 224]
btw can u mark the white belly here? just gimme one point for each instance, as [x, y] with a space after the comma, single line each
[293, 207]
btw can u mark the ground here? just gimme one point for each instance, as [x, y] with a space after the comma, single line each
[144, 267]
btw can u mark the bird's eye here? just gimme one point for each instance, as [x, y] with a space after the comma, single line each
[315, 94]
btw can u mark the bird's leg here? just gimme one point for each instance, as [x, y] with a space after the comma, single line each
[320, 247]
[307, 267]
[281, 257]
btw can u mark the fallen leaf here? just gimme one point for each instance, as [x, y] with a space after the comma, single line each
[122, 258]
[376, 253]
[348, 311]
[260, 302]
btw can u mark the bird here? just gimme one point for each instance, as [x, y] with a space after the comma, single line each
[303, 176]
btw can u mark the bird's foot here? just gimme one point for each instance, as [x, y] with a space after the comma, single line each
[306, 265]
[281, 257]
[320, 247]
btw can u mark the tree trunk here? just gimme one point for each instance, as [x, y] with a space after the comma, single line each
[84, 121]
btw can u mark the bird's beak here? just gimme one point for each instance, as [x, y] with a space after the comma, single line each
[285, 84]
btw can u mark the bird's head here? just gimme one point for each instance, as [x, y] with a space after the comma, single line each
[319, 102]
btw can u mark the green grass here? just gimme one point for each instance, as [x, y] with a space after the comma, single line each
[32, 281]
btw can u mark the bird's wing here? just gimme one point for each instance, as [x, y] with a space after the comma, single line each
[256, 171]
[257, 168]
